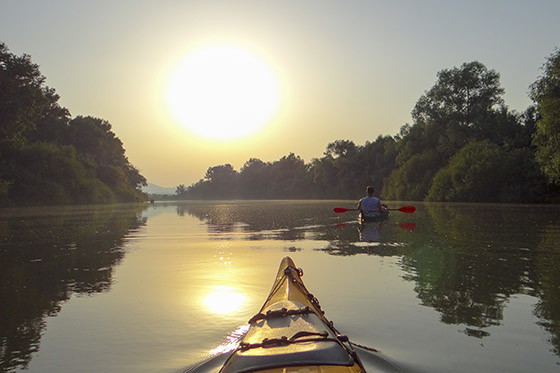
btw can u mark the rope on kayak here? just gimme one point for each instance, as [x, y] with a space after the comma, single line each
[298, 270]
[346, 343]
[288, 275]
[314, 301]
[279, 283]
[279, 313]
[299, 337]
[364, 347]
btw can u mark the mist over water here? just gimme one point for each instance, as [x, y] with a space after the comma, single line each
[159, 287]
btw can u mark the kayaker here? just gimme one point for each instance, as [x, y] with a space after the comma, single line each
[369, 205]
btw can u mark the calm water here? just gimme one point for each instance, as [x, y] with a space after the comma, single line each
[157, 288]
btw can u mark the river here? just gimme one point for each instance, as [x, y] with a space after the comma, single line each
[160, 287]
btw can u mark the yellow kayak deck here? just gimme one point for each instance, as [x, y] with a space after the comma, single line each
[290, 333]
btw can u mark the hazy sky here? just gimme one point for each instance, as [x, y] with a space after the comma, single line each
[343, 69]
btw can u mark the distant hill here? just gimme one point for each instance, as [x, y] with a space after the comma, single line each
[156, 189]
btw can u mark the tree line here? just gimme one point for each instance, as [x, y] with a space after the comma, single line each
[49, 158]
[464, 145]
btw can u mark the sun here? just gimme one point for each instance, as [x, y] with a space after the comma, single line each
[222, 92]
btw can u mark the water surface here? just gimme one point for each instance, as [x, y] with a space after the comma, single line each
[157, 288]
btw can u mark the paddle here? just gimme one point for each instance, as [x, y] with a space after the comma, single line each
[407, 209]
[408, 226]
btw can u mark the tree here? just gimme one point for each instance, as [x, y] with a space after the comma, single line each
[220, 174]
[464, 105]
[545, 92]
[221, 181]
[254, 179]
[289, 178]
[340, 148]
[324, 176]
[25, 102]
[104, 153]
[485, 172]
[464, 95]
[46, 158]
[45, 173]
[379, 159]
[413, 179]
[181, 190]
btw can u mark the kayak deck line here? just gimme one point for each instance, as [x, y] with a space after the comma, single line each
[291, 333]
[282, 341]
[279, 313]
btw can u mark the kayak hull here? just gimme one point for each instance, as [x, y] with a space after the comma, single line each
[374, 217]
[291, 333]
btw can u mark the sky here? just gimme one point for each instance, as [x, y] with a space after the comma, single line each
[338, 70]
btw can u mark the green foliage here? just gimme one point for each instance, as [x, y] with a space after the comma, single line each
[546, 94]
[289, 177]
[485, 172]
[45, 173]
[343, 172]
[221, 181]
[465, 103]
[181, 190]
[346, 168]
[24, 100]
[413, 179]
[441, 157]
[340, 148]
[254, 179]
[463, 95]
[46, 158]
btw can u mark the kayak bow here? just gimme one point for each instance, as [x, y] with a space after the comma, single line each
[290, 333]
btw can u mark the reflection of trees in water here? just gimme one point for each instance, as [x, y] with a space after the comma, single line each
[465, 289]
[341, 248]
[479, 257]
[44, 258]
[384, 238]
[268, 220]
[283, 220]
[547, 284]
[462, 273]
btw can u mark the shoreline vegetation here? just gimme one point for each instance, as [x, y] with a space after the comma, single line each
[49, 158]
[464, 145]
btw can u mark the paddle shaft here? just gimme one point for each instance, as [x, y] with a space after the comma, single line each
[407, 209]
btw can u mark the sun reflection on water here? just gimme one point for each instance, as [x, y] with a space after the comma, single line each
[223, 300]
[224, 257]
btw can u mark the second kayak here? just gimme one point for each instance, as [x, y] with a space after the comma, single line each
[368, 217]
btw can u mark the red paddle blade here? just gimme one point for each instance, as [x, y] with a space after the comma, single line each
[407, 209]
[339, 210]
[408, 226]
